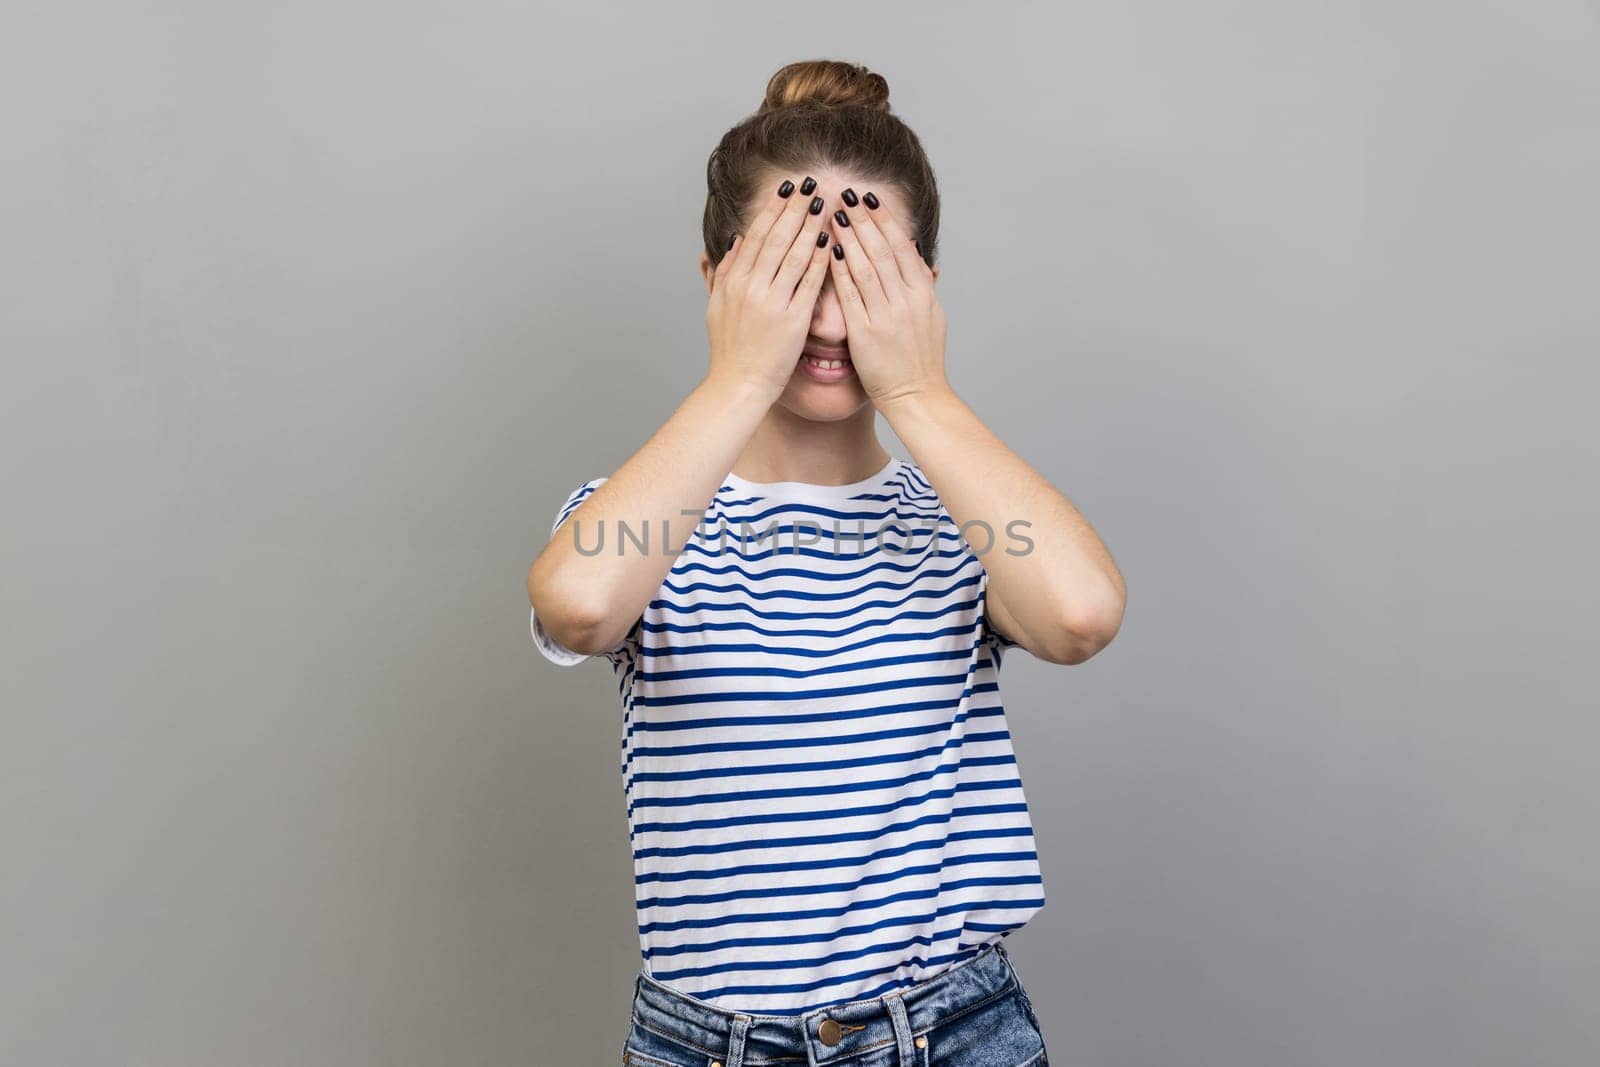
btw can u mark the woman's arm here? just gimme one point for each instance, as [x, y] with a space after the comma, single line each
[1062, 599]
[758, 313]
[588, 603]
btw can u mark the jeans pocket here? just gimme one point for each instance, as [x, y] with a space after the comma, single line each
[632, 1057]
[646, 1048]
[1027, 1006]
[1000, 1033]
[1033, 1019]
[1027, 1003]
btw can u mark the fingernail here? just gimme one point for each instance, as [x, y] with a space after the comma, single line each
[918, 243]
[808, 185]
[822, 239]
[838, 251]
[849, 197]
[871, 201]
[841, 218]
[732, 239]
[786, 188]
[816, 205]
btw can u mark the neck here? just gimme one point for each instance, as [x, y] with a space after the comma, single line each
[788, 448]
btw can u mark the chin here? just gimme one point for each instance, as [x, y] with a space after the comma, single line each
[824, 403]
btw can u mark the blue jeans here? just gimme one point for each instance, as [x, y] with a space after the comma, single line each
[976, 1014]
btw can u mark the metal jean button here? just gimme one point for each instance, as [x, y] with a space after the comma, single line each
[831, 1031]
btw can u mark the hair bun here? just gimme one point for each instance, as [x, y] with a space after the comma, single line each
[828, 82]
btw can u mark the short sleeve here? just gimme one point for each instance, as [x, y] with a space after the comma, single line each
[997, 641]
[552, 649]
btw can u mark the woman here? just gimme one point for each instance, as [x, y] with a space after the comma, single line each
[830, 834]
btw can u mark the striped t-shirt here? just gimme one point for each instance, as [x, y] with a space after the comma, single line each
[822, 796]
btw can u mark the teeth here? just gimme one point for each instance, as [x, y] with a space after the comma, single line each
[830, 364]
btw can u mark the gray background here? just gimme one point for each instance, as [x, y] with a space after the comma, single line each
[314, 312]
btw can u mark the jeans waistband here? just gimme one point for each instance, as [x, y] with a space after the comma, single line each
[894, 1019]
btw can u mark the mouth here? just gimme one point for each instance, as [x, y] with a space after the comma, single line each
[826, 364]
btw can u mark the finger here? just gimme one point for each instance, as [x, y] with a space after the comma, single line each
[859, 263]
[906, 254]
[726, 264]
[856, 318]
[864, 224]
[805, 294]
[780, 238]
[802, 251]
[755, 234]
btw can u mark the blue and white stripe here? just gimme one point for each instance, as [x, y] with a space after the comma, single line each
[822, 794]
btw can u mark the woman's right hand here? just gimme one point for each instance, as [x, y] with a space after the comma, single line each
[764, 291]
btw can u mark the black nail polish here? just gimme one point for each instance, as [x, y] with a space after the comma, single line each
[849, 197]
[918, 243]
[822, 239]
[807, 186]
[841, 218]
[838, 251]
[816, 205]
[871, 201]
[732, 239]
[786, 188]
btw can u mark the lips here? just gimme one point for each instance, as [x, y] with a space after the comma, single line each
[818, 352]
[828, 366]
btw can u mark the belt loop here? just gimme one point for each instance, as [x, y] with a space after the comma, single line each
[1005, 956]
[902, 1028]
[741, 1026]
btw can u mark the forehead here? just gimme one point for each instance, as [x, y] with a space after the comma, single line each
[830, 183]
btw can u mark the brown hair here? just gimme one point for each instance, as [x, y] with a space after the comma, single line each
[819, 113]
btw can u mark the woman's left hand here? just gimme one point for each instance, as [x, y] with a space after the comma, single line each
[894, 326]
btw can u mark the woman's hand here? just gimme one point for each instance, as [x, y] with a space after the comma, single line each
[894, 326]
[764, 291]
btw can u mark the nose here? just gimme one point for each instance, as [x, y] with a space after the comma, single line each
[827, 317]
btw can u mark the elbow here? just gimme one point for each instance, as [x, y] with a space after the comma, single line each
[577, 635]
[1087, 627]
[573, 621]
